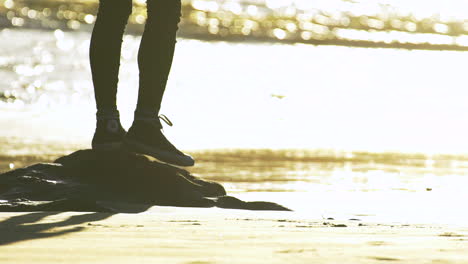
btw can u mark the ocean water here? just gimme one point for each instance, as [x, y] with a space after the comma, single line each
[249, 95]
[323, 129]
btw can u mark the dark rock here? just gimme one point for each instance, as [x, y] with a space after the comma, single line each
[111, 181]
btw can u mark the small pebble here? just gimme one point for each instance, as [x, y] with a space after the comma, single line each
[340, 225]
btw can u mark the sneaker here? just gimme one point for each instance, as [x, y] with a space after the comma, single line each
[109, 135]
[146, 137]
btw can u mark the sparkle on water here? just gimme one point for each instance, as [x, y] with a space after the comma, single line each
[422, 23]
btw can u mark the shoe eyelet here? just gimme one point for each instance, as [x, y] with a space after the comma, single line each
[112, 126]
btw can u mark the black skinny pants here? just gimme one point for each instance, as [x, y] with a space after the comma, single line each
[154, 56]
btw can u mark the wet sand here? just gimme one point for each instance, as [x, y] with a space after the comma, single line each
[192, 235]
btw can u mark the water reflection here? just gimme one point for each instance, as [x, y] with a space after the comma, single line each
[295, 170]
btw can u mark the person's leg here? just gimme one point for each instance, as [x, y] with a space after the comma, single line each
[156, 52]
[155, 61]
[105, 48]
[104, 52]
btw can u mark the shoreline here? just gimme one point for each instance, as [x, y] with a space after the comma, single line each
[266, 40]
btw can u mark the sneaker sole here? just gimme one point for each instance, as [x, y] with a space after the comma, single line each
[160, 155]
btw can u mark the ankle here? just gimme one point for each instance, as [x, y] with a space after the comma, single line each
[146, 118]
[107, 114]
[145, 115]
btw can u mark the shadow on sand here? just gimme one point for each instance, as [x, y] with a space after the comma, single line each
[24, 227]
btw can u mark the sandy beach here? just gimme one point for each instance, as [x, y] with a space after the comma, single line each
[187, 235]
[366, 146]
